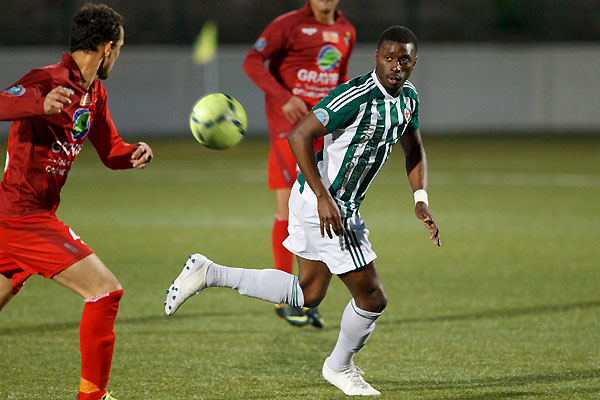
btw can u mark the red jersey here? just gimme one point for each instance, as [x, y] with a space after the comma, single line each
[306, 59]
[42, 148]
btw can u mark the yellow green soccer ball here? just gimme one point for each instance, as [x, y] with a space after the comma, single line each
[218, 121]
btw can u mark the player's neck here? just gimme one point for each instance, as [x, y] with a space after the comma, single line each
[88, 64]
[324, 18]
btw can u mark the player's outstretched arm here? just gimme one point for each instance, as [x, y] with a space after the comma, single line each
[416, 168]
[301, 143]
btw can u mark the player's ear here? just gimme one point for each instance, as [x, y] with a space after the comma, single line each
[107, 48]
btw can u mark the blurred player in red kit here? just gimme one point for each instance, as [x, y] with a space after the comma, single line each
[54, 109]
[308, 52]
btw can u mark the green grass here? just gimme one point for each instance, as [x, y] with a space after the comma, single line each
[507, 308]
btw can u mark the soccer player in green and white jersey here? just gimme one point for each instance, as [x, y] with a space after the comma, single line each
[360, 120]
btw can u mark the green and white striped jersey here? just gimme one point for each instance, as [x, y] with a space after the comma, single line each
[364, 122]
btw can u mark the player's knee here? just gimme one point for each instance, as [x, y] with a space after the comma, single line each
[108, 285]
[312, 299]
[375, 301]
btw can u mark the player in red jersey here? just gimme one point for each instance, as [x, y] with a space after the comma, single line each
[54, 109]
[308, 52]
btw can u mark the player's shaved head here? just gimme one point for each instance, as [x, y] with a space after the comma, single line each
[398, 34]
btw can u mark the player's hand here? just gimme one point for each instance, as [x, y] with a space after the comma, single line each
[141, 156]
[56, 100]
[329, 216]
[294, 109]
[422, 212]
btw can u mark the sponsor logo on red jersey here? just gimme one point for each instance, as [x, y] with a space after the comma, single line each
[81, 123]
[329, 58]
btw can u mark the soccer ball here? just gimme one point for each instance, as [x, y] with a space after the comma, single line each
[218, 121]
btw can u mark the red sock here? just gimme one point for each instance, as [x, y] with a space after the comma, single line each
[284, 260]
[96, 341]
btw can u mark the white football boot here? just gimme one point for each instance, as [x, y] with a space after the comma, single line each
[191, 281]
[349, 381]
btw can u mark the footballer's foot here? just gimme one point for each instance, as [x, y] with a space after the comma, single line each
[292, 315]
[349, 381]
[314, 317]
[107, 396]
[191, 281]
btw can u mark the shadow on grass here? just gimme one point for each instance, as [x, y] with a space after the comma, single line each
[493, 314]
[504, 382]
[60, 326]
[514, 394]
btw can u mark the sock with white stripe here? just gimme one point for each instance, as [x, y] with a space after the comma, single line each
[356, 327]
[265, 284]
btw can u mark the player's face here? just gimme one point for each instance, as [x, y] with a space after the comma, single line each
[109, 61]
[324, 6]
[394, 62]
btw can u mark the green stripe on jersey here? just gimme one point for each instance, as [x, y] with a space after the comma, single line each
[364, 123]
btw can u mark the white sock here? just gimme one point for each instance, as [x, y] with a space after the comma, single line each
[356, 327]
[265, 284]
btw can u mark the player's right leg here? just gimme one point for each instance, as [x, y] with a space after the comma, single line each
[199, 273]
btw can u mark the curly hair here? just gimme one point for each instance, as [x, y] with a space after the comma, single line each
[94, 24]
[398, 34]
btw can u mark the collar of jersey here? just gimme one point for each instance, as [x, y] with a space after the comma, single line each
[382, 89]
[74, 72]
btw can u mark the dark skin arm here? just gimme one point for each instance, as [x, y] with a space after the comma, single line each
[416, 168]
[301, 143]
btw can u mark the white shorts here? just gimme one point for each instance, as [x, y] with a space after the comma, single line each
[342, 253]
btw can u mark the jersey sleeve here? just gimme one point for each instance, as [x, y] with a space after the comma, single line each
[25, 99]
[334, 110]
[271, 42]
[413, 100]
[111, 148]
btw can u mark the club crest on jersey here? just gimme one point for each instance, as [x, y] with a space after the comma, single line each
[322, 115]
[86, 100]
[260, 44]
[329, 58]
[17, 90]
[81, 123]
[406, 114]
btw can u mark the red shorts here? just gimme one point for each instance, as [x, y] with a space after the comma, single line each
[282, 168]
[37, 244]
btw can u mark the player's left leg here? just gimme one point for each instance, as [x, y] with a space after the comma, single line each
[6, 292]
[102, 292]
[358, 322]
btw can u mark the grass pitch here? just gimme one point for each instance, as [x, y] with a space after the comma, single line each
[507, 308]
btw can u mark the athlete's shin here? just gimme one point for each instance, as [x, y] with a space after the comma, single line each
[356, 327]
[265, 284]
[97, 339]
